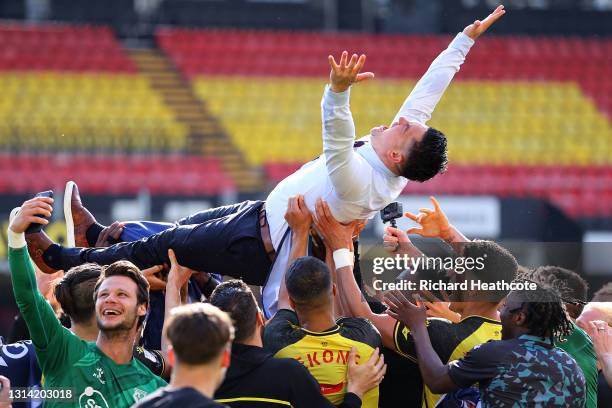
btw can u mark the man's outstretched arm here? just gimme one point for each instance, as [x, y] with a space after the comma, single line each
[338, 237]
[423, 99]
[343, 165]
[433, 371]
[45, 329]
[299, 219]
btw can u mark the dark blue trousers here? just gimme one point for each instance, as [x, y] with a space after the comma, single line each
[224, 240]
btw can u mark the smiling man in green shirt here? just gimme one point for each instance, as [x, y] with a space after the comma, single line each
[96, 374]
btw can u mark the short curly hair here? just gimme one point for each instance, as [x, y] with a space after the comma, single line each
[427, 157]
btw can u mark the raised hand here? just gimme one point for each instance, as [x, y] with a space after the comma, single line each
[112, 231]
[438, 308]
[335, 235]
[298, 216]
[601, 334]
[477, 28]
[346, 73]
[5, 388]
[400, 308]
[178, 275]
[434, 223]
[32, 211]
[393, 238]
[155, 282]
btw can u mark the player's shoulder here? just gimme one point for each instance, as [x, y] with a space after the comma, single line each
[359, 329]
[284, 316]
[152, 359]
[282, 330]
[185, 396]
[497, 349]
[17, 360]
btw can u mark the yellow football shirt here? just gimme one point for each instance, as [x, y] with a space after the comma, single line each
[324, 354]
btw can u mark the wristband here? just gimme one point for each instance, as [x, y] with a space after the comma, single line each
[342, 258]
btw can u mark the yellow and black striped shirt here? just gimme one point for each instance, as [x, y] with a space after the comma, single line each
[451, 341]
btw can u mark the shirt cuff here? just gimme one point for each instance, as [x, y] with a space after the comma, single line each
[332, 98]
[16, 240]
[351, 400]
[462, 43]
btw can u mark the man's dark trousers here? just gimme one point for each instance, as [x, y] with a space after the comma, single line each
[225, 240]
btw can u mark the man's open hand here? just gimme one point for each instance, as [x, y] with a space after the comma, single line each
[344, 74]
[434, 223]
[367, 375]
[32, 211]
[400, 308]
[476, 29]
[601, 334]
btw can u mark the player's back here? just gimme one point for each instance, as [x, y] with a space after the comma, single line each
[325, 354]
[451, 341]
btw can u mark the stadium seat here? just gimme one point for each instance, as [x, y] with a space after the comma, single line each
[71, 88]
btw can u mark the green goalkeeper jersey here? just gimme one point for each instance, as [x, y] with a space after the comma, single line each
[69, 363]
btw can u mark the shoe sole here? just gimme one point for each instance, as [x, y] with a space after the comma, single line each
[70, 239]
[13, 214]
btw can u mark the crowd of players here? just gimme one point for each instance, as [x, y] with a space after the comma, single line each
[326, 345]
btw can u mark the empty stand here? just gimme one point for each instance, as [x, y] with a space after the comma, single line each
[68, 88]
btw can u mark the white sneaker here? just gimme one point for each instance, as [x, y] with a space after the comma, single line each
[70, 241]
[13, 214]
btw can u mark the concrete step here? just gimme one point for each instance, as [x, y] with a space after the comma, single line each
[207, 135]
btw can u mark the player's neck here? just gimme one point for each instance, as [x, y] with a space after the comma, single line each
[380, 152]
[86, 331]
[202, 378]
[255, 340]
[483, 309]
[117, 345]
[317, 320]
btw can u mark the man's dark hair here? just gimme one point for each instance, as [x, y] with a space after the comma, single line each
[74, 291]
[572, 287]
[427, 157]
[545, 314]
[499, 265]
[604, 294]
[198, 332]
[127, 269]
[307, 280]
[236, 299]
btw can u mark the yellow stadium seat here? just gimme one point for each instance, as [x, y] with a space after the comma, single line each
[59, 110]
[487, 122]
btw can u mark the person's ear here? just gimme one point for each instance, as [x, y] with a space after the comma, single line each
[142, 309]
[292, 303]
[395, 156]
[261, 321]
[226, 358]
[334, 289]
[520, 318]
[171, 356]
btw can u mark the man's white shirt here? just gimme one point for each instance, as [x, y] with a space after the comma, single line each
[354, 181]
